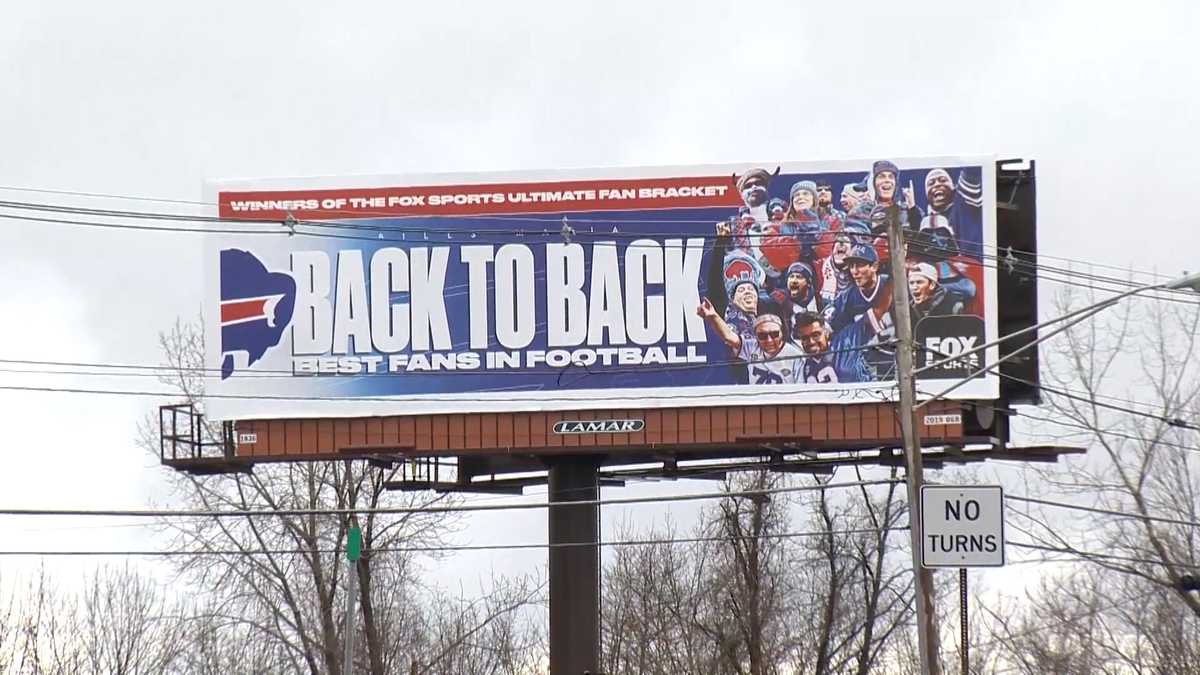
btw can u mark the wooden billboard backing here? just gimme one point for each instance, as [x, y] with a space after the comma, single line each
[681, 431]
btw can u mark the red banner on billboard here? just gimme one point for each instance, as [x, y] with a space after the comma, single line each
[473, 200]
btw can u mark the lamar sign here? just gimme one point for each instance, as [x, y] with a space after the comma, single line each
[598, 426]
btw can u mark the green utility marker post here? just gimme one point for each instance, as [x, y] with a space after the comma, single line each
[354, 544]
[353, 553]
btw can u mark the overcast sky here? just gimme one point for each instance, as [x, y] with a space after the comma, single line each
[151, 99]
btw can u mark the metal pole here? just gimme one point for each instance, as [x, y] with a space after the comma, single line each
[351, 597]
[927, 635]
[574, 561]
[962, 613]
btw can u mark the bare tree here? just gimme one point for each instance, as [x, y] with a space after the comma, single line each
[751, 587]
[1128, 385]
[656, 608]
[759, 600]
[49, 624]
[281, 580]
[121, 621]
[1094, 620]
[9, 632]
[126, 626]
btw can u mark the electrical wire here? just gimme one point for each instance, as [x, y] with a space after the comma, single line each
[1109, 432]
[1083, 556]
[458, 548]
[1010, 262]
[1091, 399]
[101, 195]
[1100, 511]
[265, 373]
[354, 218]
[467, 508]
[867, 392]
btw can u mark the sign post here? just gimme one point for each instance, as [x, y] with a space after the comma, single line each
[353, 553]
[962, 526]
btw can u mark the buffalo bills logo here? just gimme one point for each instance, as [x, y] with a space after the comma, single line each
[256, 307]
[739, 270]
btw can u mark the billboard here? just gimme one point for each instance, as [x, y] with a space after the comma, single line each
[594, 289]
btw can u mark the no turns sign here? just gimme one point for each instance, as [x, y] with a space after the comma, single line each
[962, 526]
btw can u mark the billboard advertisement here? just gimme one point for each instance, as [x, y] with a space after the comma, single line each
[739, 284]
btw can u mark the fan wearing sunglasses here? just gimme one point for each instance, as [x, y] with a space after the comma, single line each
[770, 358]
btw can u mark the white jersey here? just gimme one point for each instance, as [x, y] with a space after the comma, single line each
[783, 368]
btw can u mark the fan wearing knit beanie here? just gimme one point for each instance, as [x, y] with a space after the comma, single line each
[799, 292]
[939, 192]
[802, 196]
[830, 215]
[927, 297]
[892, 205]
[852, 195]
[803, 220]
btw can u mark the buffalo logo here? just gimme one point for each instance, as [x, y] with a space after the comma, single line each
[598, 426]
[740, 270]
[256, 307]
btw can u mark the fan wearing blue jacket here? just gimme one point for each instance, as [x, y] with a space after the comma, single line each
[861, 318]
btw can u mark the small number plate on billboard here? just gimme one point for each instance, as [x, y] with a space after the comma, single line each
[953, 418]
[248, 438]
[962, 526]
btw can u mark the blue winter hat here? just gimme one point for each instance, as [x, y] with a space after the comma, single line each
[776, 205]
[857, 231]
[863, 252]
[803, 185]
[741, 269]
[800, 267]
[884, 165]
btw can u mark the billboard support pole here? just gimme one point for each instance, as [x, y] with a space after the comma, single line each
[574, 562]
[927, 633]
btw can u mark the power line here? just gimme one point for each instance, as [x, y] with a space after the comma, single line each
[1083, 556]
[1098, 510]
[1092, 400]
[359, 215]
[1010, 262]
[1087, 397]
[456, 548]
[870, 391]
[101, 195]
[244, 513]
[1024, 413]
[265, 373]
[1110, 432]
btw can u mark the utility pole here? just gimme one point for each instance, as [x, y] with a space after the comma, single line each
[927, 633]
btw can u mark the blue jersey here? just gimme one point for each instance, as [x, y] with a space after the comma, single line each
[849, 346]
[856, 332]
[851, 304]
[820, 369]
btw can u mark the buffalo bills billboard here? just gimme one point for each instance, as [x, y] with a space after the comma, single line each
[754, 283]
